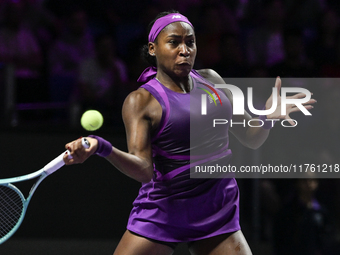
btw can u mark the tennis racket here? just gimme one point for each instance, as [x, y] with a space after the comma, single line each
[13, 204]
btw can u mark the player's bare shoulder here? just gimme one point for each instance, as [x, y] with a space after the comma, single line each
[214, 78]
[211, 76]
[141, 104]
[137, 100]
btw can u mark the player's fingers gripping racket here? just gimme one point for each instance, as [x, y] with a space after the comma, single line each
[13, 204]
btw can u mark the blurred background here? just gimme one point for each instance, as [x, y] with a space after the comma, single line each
[59, 58]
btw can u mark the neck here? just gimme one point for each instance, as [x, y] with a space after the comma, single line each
[177, 84]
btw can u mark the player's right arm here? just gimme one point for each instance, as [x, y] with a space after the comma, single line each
[141, 115]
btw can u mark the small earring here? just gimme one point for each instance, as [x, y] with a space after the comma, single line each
[152, 54]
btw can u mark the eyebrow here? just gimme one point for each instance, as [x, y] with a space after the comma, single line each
[179, 36]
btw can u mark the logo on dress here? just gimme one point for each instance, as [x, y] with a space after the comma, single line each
[212, 98]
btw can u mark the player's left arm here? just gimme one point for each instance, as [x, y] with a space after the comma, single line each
[254, 137]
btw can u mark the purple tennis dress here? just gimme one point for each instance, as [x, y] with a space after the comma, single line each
[173, 207]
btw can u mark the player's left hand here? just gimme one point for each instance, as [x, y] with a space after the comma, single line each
[290, 108]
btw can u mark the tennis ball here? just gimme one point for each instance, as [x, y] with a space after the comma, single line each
[91, 120]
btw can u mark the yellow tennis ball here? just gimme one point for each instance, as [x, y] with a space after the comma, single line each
[92, 120]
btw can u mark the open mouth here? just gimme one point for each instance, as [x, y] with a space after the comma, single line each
[184, 64]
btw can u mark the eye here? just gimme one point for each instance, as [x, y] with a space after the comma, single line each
[174, 42]
[190, 42]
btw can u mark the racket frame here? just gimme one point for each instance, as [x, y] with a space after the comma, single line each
[48, 169]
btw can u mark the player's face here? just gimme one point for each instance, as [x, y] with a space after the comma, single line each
[175, 49]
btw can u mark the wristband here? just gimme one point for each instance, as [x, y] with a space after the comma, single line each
[104, 147]
[267, 124]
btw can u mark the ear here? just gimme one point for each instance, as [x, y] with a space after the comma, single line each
[151, 48]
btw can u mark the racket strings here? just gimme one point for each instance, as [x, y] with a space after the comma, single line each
[11, 207]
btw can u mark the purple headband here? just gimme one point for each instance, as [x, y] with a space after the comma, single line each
[163, 22]
[157, 27]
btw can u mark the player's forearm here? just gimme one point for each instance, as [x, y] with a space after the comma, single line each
[131, 165]
[250, 136]
[136, 164]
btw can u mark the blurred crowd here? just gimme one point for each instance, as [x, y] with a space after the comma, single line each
[87, 53]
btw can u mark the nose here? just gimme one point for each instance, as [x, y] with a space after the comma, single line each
[183, 50]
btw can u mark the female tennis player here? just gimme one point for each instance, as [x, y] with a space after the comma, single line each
[171, 207]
